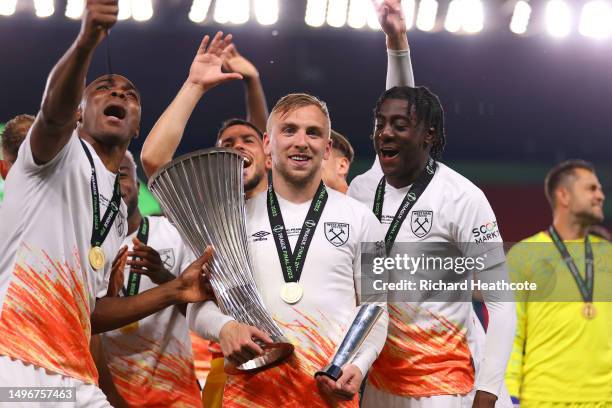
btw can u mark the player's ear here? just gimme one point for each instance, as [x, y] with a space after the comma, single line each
[430, 136]
[266, 144]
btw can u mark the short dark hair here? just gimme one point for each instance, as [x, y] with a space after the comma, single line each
[14, 134]
[235, 122]
[560, 174]
[342, 144]
[427, 109]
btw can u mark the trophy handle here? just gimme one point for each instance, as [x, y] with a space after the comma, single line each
[355, 336]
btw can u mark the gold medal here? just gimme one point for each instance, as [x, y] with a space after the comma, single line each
[96, 258]
[588, 311]
[291, 292]
[130, 328]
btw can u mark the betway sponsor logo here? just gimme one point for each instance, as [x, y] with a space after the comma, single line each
[486, 232]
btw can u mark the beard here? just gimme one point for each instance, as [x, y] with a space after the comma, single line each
[296, 178]
[254, 181]
[590, 217]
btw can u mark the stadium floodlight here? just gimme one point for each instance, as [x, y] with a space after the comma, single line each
[74, 8]
[426, 17]
[520, 17]
[372, 17]
[336, 12]
[266, 11]
[409, 7]
[472, 16]
[44, 8]
[199, 10]
[125, 9]
[142, 10]
[315, 12]
[453, 16]
[358, 13]
[7, 7]
[596, 19]
[232, 11]
[558, 18]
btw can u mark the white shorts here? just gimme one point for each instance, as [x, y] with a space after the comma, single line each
[16, 373]
[375, 398]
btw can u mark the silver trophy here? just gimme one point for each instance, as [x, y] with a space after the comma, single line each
[362, 325]
[202, 194]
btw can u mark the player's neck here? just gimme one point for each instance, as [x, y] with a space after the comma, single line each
[260, 187]
[134, 221]
[294, 193]
[110, 154]
[569, 227]
[409, 177]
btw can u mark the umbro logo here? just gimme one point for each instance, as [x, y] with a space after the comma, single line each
[260, 236]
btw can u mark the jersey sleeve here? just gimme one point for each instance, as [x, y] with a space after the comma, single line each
[399, 69]
[476, 231]
[68, 155]
[371, 232]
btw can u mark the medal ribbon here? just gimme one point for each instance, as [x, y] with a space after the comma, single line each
[101, 227]
[584, 285]
[413, 194]
[134, 278]
[292, 263]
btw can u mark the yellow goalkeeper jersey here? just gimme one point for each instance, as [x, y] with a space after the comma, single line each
[558, 354]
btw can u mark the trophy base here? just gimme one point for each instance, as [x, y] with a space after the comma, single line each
[332, 371]
[274, 353]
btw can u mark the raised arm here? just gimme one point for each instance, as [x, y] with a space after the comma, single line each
[205, 73]
[58, 114]
[256, 105]
[392, 20]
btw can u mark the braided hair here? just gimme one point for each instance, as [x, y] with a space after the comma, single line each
[426, 108]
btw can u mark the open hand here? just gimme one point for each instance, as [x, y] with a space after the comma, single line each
[234, 62]
[193, 281]
[146, 260]
[205, 71]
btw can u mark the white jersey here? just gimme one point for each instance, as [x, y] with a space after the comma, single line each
[317, 323]
[427, 349]
[151, 362]
[47, 287]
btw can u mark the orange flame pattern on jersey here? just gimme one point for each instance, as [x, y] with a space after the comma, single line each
[290, 384]
[45, 316]
[417, 362]
[147, 377]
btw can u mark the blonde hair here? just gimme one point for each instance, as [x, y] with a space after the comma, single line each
[293, 101]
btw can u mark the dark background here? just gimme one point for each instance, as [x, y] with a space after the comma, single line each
[514, 105]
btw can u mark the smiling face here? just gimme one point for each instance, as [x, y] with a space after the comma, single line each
[298, 141]
[249, 144]
[110, 110]
[402, 144]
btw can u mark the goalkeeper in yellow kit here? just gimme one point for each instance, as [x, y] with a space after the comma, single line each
[562, 354]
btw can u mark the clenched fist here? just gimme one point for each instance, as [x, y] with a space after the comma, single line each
[98, 17]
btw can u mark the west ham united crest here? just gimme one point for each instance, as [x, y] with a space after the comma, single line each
[337, 233]
[421, 222]
[167, 257]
